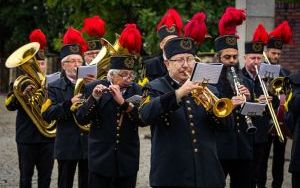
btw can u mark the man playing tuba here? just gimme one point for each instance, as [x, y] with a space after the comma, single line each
[35, 148]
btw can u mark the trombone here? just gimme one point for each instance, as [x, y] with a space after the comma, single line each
[251, 129]
[270, 106]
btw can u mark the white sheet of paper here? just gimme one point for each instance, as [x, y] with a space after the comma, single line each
[253, 109]
[269, 71]
[83, 71]
[209, 73]
[52, 77]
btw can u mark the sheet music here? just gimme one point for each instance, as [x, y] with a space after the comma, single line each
[269, 71]
[253, 109]
[52, 77]
[209, 73]
[83, 71]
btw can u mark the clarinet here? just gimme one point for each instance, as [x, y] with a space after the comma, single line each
[251, 129]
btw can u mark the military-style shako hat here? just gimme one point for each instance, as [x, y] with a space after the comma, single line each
[95, 28]
[260, 38]
[282, 34]
[73, 42]
[38, 36]
[131, 42]
[194, 34]
[170, 24]
[227, 28]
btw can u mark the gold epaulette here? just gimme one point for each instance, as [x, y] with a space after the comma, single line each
[143, 82]
[46, 105]
[9, 99]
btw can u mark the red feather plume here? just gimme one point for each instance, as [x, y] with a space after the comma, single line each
[38, 36]
[284, 32]
[230, 20]
[171, 17]
[196, 28]
[94, 26]
[260, 34]
[73, 36]
[131, 38]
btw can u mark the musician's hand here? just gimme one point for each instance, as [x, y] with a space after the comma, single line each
[116, 93]
[186, 88]
[89, 78]
[76, 98]
[262, 99]
[98, 91]
[237, 101]
[244, 91]
[28, 89]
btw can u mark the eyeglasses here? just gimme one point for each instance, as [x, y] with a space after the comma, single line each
[74, 61]
[189, 60]
[127, 76]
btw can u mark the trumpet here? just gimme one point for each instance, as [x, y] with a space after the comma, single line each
[251, 129]
[220, 107]
[270, 106]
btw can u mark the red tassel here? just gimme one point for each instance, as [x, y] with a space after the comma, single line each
[171, 17]
[284, 32]
[131, 38]
[94, 26]
[230, 20]
[38, 36]
[196, 28]
[73, 36]
[260, 34]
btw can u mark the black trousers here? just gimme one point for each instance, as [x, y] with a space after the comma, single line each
[258, 156]
[295, 179]
[277, 163]
[98, 181]
[66, 172]
[239, 172]
[38, 155]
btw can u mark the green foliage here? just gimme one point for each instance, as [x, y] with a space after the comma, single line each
[54, 16]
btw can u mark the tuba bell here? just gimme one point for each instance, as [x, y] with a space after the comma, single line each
[24, 59]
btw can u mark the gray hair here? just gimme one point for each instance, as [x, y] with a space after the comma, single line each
[111, 73]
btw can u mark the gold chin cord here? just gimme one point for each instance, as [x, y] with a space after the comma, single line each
[24, 59]
[251, 129]
[270, 106]
[220, 107]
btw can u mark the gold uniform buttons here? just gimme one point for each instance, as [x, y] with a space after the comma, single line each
[190, 116]
[167, 123]
[118, 128]
[117, 141]
[193, 131]
[194, 140]
[189, 108]
[188, 102]
[195, 150]
[192, 124]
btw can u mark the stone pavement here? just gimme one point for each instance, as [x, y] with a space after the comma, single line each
[9, 174]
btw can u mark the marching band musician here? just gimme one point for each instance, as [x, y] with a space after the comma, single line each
[70, 148]
[95, 29]
[294, 118]
[170, 26]
[183, 150]
[110, 108]
[282, 34]
[34, 149]
[254, 57]
[234, 144]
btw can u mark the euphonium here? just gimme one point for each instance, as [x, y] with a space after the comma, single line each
[220, 107]
[78, 89]
[24, 58]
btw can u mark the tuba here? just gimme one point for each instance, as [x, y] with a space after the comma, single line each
[103, 57]
[24, 59]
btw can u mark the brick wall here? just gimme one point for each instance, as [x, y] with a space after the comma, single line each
[291, 54]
